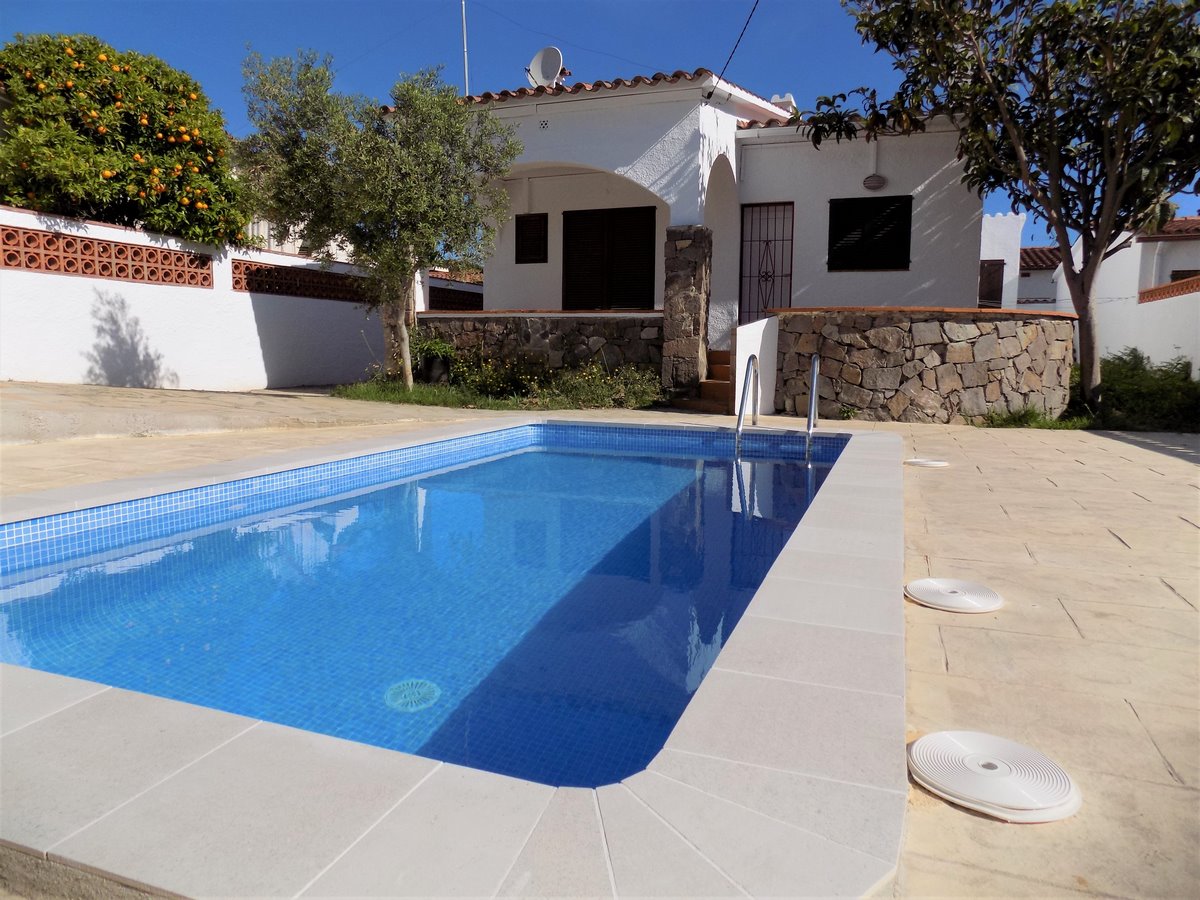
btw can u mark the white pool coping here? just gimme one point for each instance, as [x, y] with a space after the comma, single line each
[785, 774]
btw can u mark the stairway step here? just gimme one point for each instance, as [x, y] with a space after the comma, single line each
[718, 357]
[719, 407]
[718, 371]
[711, 389]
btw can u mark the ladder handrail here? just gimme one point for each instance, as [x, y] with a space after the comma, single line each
[814, 376]
[751, 370]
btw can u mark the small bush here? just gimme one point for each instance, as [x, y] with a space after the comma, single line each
[1140, 396]
[518, 384]
[1033, 418]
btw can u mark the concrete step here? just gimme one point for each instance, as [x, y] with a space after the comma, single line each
[718, 371]
[719, 407]
[711, 389]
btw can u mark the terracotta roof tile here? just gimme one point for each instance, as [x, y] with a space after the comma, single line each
[1040, 258]
[1181, 228]
[587, 87]
[582, 87]
[762, 123]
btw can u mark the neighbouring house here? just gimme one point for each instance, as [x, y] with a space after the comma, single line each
[1000, 269]
[1036, 286]
[1147, 295]
[627, 189]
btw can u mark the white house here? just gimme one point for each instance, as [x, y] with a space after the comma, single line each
[1148, 295]
[610, 167]
[1037, 285]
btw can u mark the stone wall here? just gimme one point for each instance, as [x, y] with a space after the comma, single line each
[922, 365]
[688, 273]
[559, 339]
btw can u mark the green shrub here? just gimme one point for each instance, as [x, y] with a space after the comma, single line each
[116, 136]
[1141, 396]
[425, 344]
[518, 384]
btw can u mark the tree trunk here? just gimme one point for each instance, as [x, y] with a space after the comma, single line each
[395, 317]
[1089, 339]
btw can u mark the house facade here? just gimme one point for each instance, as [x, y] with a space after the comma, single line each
[1147, 295]
[612, 172]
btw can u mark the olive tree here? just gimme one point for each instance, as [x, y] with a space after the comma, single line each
[1085, 112]
[398, 187]
[116, 136]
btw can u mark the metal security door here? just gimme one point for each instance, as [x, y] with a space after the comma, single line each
[766, 268]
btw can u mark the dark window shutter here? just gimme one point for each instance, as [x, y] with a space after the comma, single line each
[584, 257]
[532, 238]
[870, 233]
[608, 258]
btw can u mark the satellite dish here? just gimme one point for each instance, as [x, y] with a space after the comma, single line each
[546, 68]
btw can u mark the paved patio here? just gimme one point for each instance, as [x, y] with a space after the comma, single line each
[1092, 538]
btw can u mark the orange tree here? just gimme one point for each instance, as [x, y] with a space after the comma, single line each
[119, 137]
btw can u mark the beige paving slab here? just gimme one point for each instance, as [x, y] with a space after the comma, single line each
[1012, 552]
[834, 657]
[457, 835]
[765, 856]
[1114, 670]
[565, 855]
[649, 857]
[261, 816]
[932, 876]
[27, 695]
[1175, 731]
[1077, 730]
[858, 817]
[1130, 839]
[830, 733]
[65, 771]
[1171, 629]
[923, 648]
[1019, 614]
[1040, 584]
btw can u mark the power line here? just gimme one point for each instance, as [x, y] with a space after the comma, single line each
[737, 42]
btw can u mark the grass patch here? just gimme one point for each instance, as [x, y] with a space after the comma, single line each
[484, 384]
[1034, 418]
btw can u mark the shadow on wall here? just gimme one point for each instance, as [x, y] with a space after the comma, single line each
[122, 355]
[305, 341]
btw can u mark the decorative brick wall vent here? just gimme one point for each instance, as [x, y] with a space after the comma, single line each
[263, 278]
[35, 250]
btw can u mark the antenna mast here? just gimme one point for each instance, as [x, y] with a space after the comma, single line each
[466, 76]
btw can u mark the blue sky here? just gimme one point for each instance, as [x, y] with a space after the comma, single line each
[807, 47]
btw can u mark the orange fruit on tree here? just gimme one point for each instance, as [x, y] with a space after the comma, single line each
[102, 129]
[184, 200]
[69, 52]
[102, 57]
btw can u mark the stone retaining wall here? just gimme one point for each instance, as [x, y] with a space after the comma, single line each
[560, 340]
[921, 365]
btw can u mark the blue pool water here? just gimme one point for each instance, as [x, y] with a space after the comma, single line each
[544, 611]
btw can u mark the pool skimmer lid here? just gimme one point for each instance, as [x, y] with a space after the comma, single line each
[952, 595]
[994, 776]
[924, 463]
[412, 695]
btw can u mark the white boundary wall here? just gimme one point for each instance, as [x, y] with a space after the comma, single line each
[79, 330]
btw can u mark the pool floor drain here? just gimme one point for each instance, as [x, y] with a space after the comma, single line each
[412, 695]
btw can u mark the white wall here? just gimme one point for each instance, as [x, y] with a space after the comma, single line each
[552, 190]
[79, 330]
[1039, 284]
[1162, 329]
[761, 339]
[778, 165]
[1000, 238]
[722, 216]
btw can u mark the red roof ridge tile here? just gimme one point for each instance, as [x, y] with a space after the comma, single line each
[1042, 257]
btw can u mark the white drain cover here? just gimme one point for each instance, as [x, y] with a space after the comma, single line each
[952, 595]
[924, 463]
[993, 775]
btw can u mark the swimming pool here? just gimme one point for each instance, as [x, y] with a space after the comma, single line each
[539, 601]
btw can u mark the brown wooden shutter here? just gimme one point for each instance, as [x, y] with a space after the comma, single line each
[608, 258]
[991, 283]
[584, 257]
[532, 238]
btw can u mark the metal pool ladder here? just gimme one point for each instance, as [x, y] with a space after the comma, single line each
[751, 371]
[814, 374]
